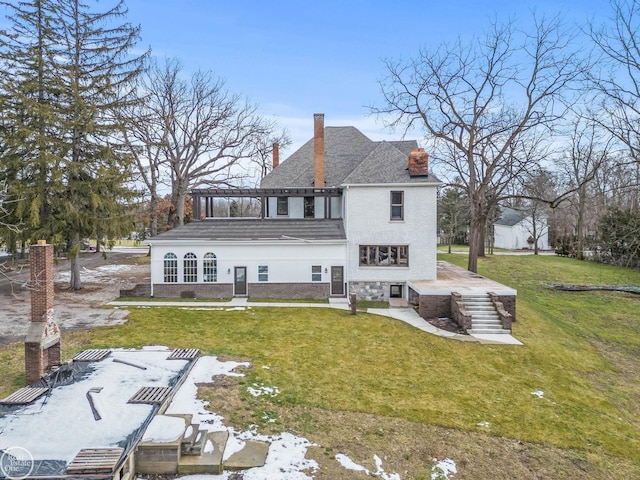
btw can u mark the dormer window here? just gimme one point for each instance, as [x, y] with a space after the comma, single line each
[283, 206]
[397, 205]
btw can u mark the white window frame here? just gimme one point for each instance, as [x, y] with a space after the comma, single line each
[316, 276]
[263, 273]
[170, 268]
[209, 268]
[190, 268]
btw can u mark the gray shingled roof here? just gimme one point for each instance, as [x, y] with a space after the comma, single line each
[256, 229]
[350, 158]
[511, 216]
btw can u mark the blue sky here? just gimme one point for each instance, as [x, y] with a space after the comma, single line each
[296, 58]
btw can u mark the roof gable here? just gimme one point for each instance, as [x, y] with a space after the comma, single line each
[511, 216]
[385, 164]
[345, 147]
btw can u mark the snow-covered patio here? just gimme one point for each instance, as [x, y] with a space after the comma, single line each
[88, 407]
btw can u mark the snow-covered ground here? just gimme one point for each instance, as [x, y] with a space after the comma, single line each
[286, 459]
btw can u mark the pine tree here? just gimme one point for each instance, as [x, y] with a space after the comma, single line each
[68, 167]
[98, 77]
[30, 88]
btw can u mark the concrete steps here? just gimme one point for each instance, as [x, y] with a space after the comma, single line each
[484, 317]
[209, 459]
[195, 451]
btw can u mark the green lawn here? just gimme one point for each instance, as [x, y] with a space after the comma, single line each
[580, 349]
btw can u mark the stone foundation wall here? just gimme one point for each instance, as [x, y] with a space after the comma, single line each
[434, 306]
[375, 291]
[193, 290]
[289, 290]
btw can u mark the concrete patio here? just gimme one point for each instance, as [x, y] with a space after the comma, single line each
[452, 278]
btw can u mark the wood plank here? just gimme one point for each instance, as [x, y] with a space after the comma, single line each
[24, 395]
[184, 354]
[95, 460]
[92, 355]
[151, 395]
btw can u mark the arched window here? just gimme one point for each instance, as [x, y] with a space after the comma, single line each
[190, 268]
[210, 267]
[170, 268]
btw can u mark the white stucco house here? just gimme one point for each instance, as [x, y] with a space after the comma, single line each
[343, 214]
[514, 230]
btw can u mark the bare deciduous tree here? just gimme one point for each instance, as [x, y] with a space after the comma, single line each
[619, 78]
[144, 135]
[459, 94]
[205, 130]
[262, 160]
[589, 151]
[540, 185]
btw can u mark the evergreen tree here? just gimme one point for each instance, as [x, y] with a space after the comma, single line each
[98, 77]
[453, 215]
[30, 88]
[68, 167]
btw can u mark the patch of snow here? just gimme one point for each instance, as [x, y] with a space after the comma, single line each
[206, 309]
[443, 468]
[380, 473]
[482, 424]
[538, 393]
[349, 464]
[163, 429]
[286, 459]
[259, 389]
[209, 448]
[102, 274]
[234, 445]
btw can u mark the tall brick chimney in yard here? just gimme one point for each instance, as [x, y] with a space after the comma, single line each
[318, 150]
[42, 345]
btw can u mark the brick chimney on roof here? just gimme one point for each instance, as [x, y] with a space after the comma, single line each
[418, 163]
[318, 150]
[276, 156]
[42, 345]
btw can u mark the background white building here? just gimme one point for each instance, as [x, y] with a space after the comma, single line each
[515, 228]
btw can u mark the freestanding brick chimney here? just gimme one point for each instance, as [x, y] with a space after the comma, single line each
[318, 150]
[418, 163]
[42, 345]
[276, 156]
